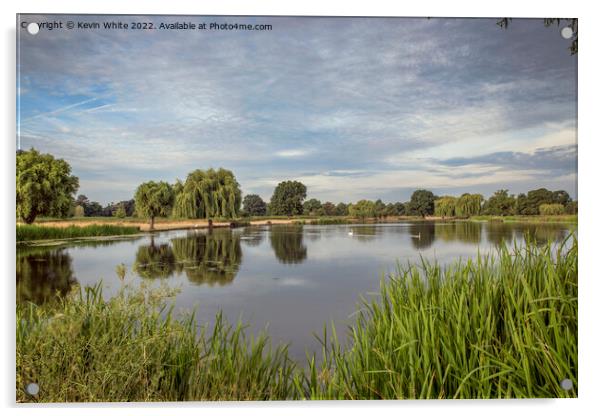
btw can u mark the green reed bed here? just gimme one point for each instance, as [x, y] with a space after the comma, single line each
[27, 232]
[498, 326]
[131, 348]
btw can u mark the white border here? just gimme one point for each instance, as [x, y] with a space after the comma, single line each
[588, 180]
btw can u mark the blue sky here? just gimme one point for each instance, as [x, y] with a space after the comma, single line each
[354, 108]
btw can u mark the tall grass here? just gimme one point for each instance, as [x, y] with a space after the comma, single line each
[130, 348]
[27, 232]
[498, 326]
[495, 327]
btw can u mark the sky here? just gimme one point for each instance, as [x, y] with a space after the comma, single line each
[355, 108]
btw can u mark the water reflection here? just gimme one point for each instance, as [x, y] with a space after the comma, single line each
[252, 236]
[154, 260]
[42, 274]
[212, 258]
[465, 231]
[422, 234]
[287, 243]
[364, 233]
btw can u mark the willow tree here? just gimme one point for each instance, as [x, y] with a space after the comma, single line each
[468, 205]
[208, 194]
[445, 206]
[154, 199]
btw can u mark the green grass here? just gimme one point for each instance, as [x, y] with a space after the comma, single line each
[568, 218]
[498, 326]
[130, 348]
[37, 232]
[495, 327]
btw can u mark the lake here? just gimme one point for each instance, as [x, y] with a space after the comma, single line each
[291, 279]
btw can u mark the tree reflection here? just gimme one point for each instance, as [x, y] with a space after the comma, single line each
[464, 231]
[422, 234]
[544, 233]
[43, 274]
[252, 236]
[212, 258]
[364, 233]
[154, 261]
[287, 243]
[499, 233]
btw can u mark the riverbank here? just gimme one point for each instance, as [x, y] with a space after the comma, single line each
[568, 219]
[513, 335]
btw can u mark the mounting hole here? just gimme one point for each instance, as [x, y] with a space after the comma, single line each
[566, 384]
[566, 32]
[33, 28]
[32, 389]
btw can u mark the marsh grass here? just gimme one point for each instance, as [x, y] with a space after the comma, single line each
[498, 326]
[26, 232]
[130, 348]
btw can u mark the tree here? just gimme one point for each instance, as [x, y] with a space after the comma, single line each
[329, 208]
[380, 209]
[500, 203]
[253, 205]
[362, 209]
[312, 207]
[44, 186]
[571, 207]
[288, 198]
[93, 209]
[551, 209]
[342, 209]
[445, 206]
[78, 211]
[154, 199]
[468, 205]
[207, 194]
[422, 203]
[120, 212]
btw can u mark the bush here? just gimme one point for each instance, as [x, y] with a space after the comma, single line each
[551, 209]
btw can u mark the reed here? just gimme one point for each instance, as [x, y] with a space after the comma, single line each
[27, 232]
[499, 326]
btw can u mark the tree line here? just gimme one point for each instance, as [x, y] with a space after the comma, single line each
[45, 186]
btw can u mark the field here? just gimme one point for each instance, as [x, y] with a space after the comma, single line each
[498, 326]
[36, 232]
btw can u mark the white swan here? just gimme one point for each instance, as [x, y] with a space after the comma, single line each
[350, 233]
[415, 236]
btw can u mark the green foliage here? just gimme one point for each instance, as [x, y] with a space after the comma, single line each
[468, 205]
[44, 186]
[571, 208]
[422, 203]
[120, 212]
[500, 203]
[288, 198]
[380, 209]
[500, 326]
[78, 211]
[342, 209]
[154, 199]
[445, 206]
[131, 348]
[26, 232]
[362, 209]
[208, 194]
[312, 207]
[529, 204]
[551, 209]
[253, 205]
[329, 209]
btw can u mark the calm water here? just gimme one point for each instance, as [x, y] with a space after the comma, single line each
[292, 278]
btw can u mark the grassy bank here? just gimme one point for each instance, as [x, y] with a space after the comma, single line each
[572, 219]
[38, 232]
[497, 326]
